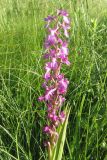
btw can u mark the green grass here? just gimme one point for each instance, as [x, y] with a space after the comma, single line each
[22, 117]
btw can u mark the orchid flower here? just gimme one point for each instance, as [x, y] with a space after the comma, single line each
[55, 84]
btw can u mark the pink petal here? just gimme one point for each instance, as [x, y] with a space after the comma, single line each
[41, 98]
[66, 20]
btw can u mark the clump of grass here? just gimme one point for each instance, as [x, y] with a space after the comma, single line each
[21, 116]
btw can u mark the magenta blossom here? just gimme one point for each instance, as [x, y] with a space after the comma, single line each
[62, 86]
[50, 41]
[55, 84]
[62, 13]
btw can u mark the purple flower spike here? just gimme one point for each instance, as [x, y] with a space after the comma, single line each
[55, 84]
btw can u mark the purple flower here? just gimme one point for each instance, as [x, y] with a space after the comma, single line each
[60, 41]
[64, 49]
[66, 20]
[66, 27]
[44, 85]
[54, 31]
[51, 54]
[50, 41]
[61, 100]
[62, 86]
[47, 76]
[49, 106]
[53, 117]
[41, 98]
[46, 129]
[65, 60]
[46, 55]
[51, 65]
[62, 13]
[60, 77]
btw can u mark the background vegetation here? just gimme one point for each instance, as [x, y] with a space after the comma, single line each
[22, 35]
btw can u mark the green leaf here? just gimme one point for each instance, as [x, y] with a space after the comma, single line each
[58, 149]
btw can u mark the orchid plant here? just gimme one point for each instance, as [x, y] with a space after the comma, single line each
[55, 84]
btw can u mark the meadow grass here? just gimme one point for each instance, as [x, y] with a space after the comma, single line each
[22, 117]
